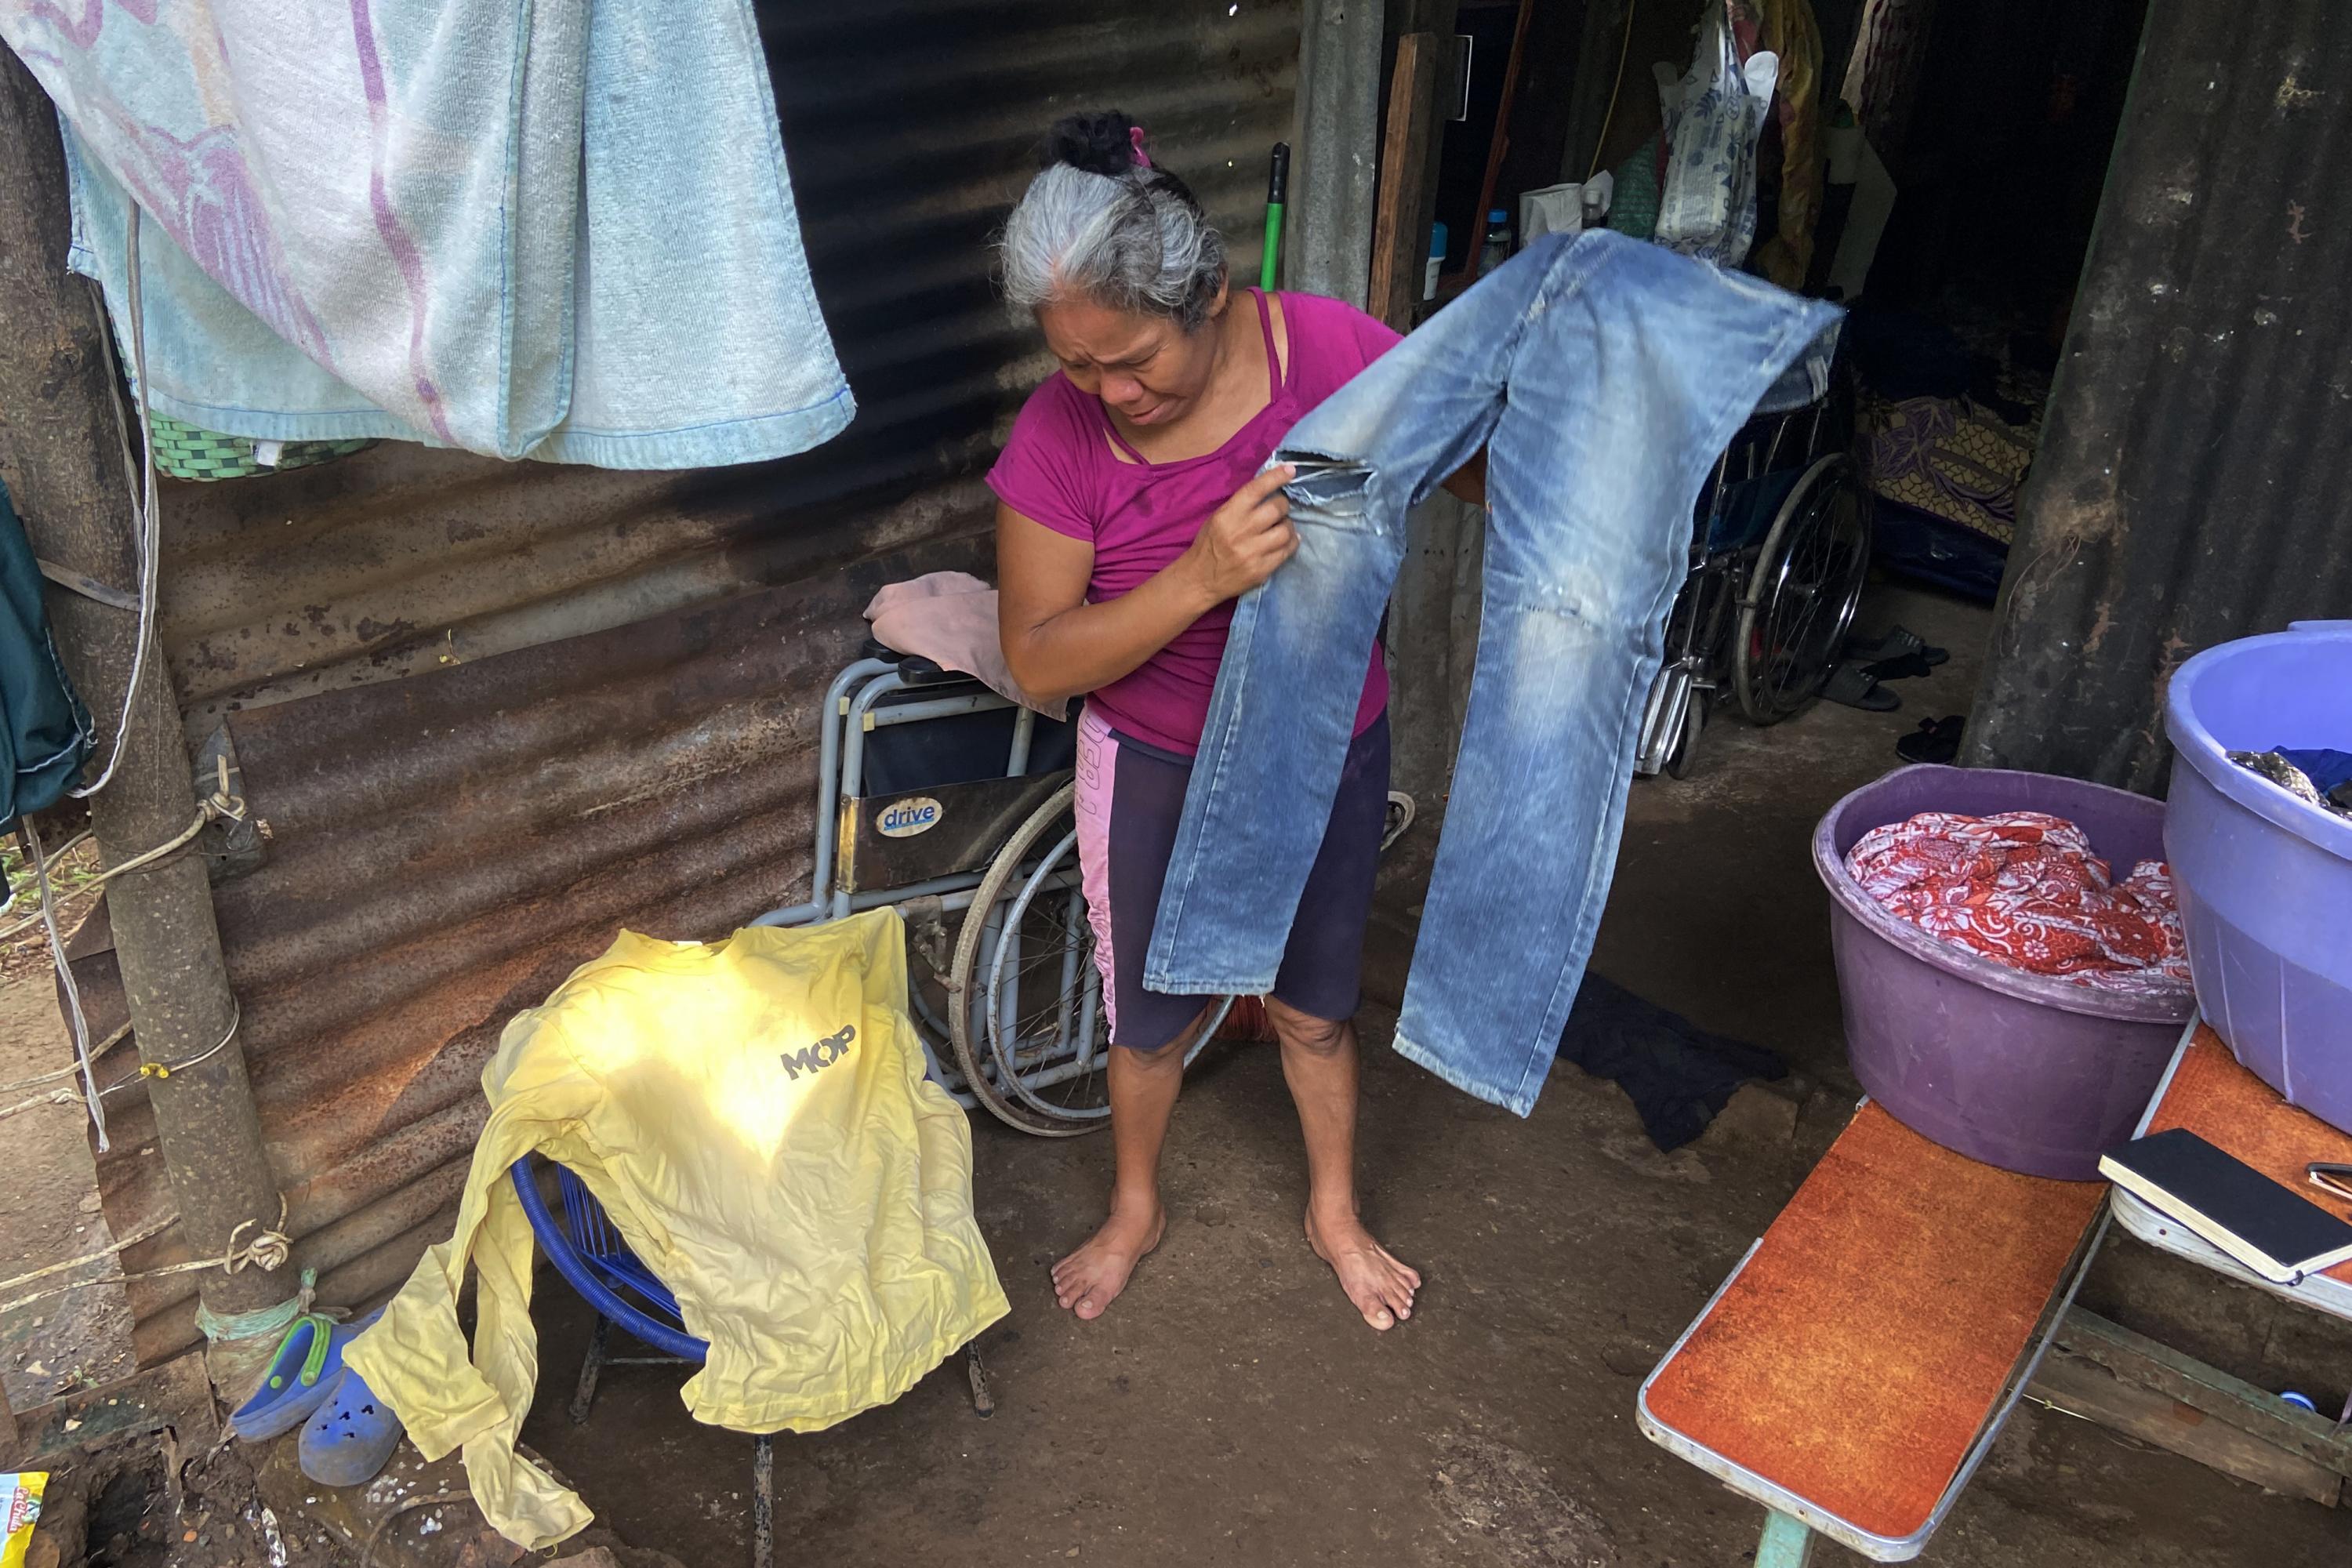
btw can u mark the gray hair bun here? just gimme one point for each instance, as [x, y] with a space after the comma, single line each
[1101, 222]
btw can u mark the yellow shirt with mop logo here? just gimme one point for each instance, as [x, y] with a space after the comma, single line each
[753, 1115]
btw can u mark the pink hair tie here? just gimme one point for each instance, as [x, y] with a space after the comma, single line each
[1135, 140]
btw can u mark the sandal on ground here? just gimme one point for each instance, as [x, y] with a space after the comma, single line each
[1934, 741]
[1851, 684]
[1902, 666]
[351, 1437]
[301, 1370]
[1897, 642]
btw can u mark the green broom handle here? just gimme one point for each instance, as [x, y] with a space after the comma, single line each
[1278, 191]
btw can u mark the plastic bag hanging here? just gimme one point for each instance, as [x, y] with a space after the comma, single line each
[1712, 119]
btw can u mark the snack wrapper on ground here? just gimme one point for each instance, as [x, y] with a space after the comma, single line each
[20, 1505]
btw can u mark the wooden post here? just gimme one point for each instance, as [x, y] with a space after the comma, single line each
[60, 455]
[1429, 640]
[1399, 240]
[1330, 209]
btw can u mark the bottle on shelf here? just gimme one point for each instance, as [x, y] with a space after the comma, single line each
[1497, 248]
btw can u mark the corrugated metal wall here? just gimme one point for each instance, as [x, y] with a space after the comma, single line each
[490, 712]
[2195, 477]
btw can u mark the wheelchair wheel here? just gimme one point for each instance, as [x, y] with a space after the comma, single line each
[1801, 592]
[1031, 1034]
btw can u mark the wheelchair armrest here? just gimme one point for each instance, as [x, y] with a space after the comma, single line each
[916, 670]
[913, 667]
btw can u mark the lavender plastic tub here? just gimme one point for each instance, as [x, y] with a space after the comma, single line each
[2266, 879]
[2027, 1072]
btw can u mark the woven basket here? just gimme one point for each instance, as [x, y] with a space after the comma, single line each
[185, 452]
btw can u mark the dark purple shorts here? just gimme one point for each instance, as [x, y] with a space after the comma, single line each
[1130, 795]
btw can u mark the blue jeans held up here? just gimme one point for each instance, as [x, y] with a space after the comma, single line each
[1604, 376]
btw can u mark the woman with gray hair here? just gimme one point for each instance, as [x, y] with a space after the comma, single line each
[1131, 514]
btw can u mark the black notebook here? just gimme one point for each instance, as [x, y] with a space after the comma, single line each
[2271, 1228]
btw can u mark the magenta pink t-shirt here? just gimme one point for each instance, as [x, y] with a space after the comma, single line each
[1058, 468]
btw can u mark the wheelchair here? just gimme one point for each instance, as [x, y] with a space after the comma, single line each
[1780, 548]
[957, 807]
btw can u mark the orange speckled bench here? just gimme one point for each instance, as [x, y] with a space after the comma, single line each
[2206, 1091]
[1859, 1362]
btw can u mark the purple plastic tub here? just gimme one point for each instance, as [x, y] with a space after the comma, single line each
[2266, 879]
[2027, 1072]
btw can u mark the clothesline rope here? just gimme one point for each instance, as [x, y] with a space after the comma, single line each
[69, 1071]
[224, 804]
[83, 1057]
[29, 922]
[145, 513]
[15, 893]
[268, 1251]
[165, 1070]
[146, 1070]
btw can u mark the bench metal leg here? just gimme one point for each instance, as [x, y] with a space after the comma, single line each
[591, 1365]
[763, 1501]
[1787, 1542]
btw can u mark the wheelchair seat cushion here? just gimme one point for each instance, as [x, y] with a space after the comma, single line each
[949, 618]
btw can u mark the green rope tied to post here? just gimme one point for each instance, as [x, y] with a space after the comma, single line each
[219, 1326]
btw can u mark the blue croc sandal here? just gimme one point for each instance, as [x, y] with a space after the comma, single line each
[301, 1370]
[351, 1437]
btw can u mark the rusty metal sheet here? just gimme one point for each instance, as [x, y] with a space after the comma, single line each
[491, 712]
[909, 127]
[445, 849]
[2195, 478]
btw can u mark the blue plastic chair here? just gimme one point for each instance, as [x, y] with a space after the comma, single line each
[587, 1249]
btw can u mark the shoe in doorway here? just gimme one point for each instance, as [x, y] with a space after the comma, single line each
[1934, 741]
[1852, 684]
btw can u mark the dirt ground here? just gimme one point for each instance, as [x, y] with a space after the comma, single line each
[1232, 1408]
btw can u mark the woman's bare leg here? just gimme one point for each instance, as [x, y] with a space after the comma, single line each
[1143, 1089]
[1320, 1062]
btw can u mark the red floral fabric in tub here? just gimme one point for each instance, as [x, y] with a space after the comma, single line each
[2022, 887]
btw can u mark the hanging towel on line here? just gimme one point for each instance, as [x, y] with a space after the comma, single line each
[561, 231]
[754, 1116]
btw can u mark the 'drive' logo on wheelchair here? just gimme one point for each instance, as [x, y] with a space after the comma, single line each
[823, 1054]
[904, 818]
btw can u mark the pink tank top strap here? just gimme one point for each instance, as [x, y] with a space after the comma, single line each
[1123, 444]
[1273, 376]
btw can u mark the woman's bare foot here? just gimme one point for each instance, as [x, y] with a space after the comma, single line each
[1090, 1279]
[1380, 1286]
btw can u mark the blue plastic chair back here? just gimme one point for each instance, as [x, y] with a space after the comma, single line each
[587, 1250]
